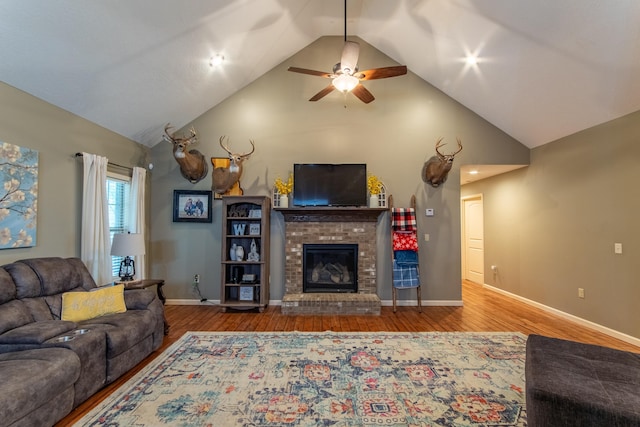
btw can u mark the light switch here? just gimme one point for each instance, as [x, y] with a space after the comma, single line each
[430, 212]
[617, 248]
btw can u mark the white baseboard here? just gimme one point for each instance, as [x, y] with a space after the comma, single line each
[587, 323]
[207, 302]
[425, 303]
[387, 303]
[192, 302]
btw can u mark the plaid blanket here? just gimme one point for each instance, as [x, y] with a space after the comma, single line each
[403, 219]
[405, 275]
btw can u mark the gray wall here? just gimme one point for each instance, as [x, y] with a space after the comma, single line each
[393, 135]
[57, 135]
[551, 227]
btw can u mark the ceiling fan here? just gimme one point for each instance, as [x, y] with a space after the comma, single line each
[346, 77]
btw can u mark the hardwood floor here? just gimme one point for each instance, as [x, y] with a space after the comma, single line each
[483, 311]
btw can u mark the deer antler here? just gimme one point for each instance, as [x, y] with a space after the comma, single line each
[241, 156]
[459, 147]
[438, 145]
[172, 139]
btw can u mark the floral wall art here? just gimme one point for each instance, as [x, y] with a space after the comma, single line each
[18, 196]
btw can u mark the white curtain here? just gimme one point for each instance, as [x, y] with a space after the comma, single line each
[137, 215]
[95, 244]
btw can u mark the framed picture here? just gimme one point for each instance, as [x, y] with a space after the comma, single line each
[191, 206]
[255, 213]
[254, 229]
[19, 196]
[246, 293]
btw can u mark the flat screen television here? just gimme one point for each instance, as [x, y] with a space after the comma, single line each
[320, 184]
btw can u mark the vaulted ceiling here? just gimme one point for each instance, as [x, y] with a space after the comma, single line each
[545, 68]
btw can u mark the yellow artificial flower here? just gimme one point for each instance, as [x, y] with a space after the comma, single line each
[284, 187]
[374, 184]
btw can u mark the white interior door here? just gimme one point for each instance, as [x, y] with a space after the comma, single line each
[474, 240]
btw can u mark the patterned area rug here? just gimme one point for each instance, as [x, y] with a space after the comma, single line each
[326, 379]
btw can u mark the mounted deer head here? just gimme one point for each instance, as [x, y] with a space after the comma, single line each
[193, 166]
[436, 169]
[225, 178]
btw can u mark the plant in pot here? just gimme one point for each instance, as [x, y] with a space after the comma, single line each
[374, 185]
[283, 190]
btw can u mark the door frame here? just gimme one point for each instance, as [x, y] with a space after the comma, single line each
[463, 232]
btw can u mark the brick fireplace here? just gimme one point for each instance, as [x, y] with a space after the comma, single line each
[328, 225]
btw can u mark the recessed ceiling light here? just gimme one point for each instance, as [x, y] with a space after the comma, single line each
[471, 59]
[216, 61]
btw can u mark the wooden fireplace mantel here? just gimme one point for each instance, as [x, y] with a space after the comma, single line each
[330, 214]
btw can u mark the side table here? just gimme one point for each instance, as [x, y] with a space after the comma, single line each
[147, 283]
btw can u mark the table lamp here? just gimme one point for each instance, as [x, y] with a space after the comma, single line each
[126, 245]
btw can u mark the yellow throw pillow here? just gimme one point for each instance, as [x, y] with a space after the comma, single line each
[79, 306]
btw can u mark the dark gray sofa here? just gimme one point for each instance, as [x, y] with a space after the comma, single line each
[43, 377]
[575, 384]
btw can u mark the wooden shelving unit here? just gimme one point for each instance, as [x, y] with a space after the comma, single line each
[245, 279]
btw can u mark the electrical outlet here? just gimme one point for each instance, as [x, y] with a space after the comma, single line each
[196, 278]
[617, 248]
[580, 292]
[426, 237]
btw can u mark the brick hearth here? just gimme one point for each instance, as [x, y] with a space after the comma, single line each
[331, 225]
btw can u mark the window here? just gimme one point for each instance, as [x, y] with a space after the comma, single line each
[118, 187]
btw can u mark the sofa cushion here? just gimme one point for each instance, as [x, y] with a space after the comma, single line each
[25, 279]
[79, 306]
[123, 330]
[32, 378]
[575, 384]
[39, 309]
[7, 287]
[56, 275]
[138, 299]
[13, 314]
[36, 332]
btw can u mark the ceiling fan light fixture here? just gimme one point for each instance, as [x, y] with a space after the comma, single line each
[345, 83]
[216, 61]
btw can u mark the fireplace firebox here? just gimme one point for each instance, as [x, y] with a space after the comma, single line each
[330, 268]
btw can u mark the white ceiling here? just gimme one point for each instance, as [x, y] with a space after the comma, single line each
[547, 68]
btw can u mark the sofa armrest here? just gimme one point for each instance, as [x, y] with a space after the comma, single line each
[36, 332]
[138, 299]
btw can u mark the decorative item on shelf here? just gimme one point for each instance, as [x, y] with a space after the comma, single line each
[238, 229]
[239, 253]
[253, 254]
[255, 213]
[246, 293]
[254, 229]
[282, 190]
[236, 273]
[374, 185]
[232, 252]
[127, 244]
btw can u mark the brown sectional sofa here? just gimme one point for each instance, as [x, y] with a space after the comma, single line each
[45, 376]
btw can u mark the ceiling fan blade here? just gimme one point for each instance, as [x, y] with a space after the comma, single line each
[363, 94]
[382, 73]
[311, 72]
[349, 59]
[324, 92]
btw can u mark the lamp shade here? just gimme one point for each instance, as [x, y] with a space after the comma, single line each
[127, 244]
